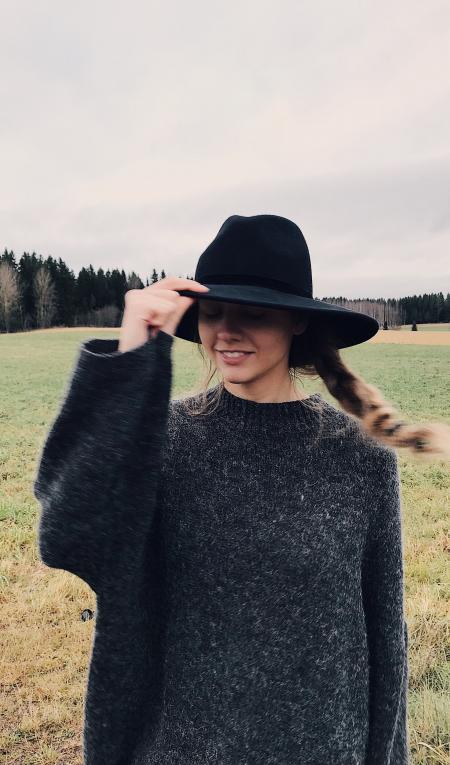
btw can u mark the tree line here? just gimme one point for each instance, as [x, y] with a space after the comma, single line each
[37, 293]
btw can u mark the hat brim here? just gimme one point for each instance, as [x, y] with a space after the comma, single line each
[349, 327]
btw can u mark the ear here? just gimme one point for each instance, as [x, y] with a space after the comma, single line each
[300, 326]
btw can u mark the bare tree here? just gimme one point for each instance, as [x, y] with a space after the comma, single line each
[9, 294]
[387, 313]
[44, 296]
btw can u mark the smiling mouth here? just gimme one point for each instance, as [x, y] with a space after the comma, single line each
[237, 353]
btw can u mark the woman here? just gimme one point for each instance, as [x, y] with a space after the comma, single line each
[244, 543]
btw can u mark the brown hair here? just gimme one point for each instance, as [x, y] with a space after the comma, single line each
[317, 354]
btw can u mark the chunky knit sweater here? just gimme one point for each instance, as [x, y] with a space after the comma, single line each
[247, 566]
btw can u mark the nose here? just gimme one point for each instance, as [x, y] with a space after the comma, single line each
[228, 325]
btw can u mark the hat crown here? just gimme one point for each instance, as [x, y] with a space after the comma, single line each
[264, 260]
[264, 250]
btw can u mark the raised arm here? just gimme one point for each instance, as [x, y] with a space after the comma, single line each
[97, 477]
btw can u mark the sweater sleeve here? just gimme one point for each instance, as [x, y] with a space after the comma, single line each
[97, 473]
[383, 599]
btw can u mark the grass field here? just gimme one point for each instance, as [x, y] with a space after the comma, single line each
[44, 644]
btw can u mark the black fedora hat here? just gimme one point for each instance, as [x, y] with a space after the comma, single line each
[264, 260]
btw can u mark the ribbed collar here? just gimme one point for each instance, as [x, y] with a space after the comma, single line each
[273, 415]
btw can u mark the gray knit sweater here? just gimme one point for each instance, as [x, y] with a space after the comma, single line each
[248, 575]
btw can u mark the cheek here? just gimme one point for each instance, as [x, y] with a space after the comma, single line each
[272, 337]
[275, 343]
[207, 337]
[271, 345]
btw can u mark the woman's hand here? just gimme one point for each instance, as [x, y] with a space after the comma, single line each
[156, 307]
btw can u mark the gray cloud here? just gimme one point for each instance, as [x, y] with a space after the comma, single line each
[129, 133]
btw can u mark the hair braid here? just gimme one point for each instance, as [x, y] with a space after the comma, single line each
[378, 418]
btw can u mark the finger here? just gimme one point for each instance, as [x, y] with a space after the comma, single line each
[184, 301]
[181, 283]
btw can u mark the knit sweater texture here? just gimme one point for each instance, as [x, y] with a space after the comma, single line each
[247, 567]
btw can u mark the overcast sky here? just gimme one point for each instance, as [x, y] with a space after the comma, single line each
[131, 131]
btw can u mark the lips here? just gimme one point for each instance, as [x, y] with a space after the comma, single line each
[235, 360]
[240, 353]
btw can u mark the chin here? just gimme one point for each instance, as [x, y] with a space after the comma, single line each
[234, 377]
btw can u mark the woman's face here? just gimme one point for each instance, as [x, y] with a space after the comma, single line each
[266, 333]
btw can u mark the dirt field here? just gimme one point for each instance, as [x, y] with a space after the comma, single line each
[411, 338]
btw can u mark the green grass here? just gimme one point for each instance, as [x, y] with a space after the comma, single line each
[46, 647]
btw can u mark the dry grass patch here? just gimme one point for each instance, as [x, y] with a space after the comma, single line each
[45, 650]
